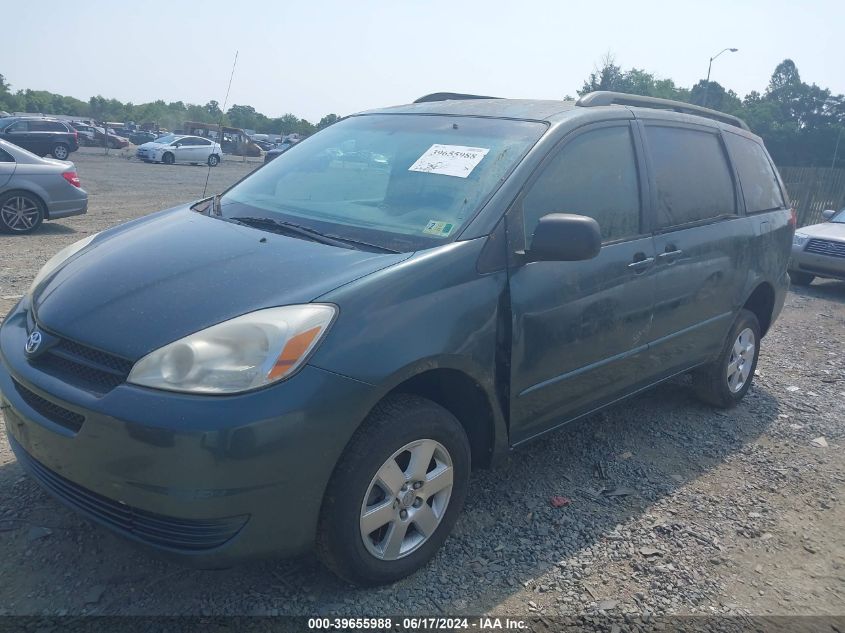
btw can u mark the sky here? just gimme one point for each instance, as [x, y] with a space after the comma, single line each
[341, 56]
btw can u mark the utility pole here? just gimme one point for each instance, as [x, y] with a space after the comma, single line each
[836, 149]
[709, 67]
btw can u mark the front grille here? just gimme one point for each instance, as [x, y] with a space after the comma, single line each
[83, 366]
[826, 247]
[154, 529]
[50, 410]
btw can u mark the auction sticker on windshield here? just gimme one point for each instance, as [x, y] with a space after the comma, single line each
[449, 160]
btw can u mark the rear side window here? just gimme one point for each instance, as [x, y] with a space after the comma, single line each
[46, 126]
[756, 176]
[6, 157]
[20, 126]
[595, 174]
[692, 175]
[200, 141]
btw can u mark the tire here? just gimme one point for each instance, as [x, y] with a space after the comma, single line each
[726, 380]
[213, 160]
[20, 212]
[800, 279]
[398, 422]
[60, 151]
[168, 158]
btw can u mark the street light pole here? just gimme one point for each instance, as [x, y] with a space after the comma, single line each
[709, 67]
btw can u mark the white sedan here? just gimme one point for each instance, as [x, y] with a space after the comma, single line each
[171, 149]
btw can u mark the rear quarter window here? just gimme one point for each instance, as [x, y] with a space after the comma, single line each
[692, 175]
[760, 187]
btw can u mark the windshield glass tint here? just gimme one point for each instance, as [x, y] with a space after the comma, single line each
[167, 138]
[403, 182]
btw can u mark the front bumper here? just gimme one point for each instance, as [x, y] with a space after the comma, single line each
[818, 264]
[208, 481]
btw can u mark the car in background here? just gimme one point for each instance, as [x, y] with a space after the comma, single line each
[41, 136]
[818, 250]
[140, 137]
[278, 150]
[114, 141]
[265, 145]
[173, 148]
[86, 133]
[34, 189]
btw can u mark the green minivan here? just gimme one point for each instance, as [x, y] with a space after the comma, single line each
[318, 357]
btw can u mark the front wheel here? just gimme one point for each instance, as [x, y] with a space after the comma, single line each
[213, 160]
[396, 492]
[168, 158]
[60, 151]
[726, 380]
[801, 279]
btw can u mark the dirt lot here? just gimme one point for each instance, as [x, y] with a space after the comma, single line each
[675, 508]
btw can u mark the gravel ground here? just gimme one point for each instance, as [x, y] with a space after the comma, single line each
[673, 507]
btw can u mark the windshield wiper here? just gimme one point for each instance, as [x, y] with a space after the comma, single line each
[277, 226]
[280, 226]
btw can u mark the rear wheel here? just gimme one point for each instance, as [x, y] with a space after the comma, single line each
[60, 151]
[213, 160]
[725, 381]
[396, 492]
[168, 158]
[801, 279]
[20, 212]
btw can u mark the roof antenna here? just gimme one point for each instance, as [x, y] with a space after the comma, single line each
[220, 122]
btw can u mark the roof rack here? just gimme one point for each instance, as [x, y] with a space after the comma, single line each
[605, 97]
[449, 96]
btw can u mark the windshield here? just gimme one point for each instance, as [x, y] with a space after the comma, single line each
[839, 217]
[403, 182]
[167, 138]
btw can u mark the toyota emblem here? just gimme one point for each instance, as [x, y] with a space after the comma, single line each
[33, 342]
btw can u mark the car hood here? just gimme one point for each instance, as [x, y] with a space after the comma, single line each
[155, 280]
[825, 230]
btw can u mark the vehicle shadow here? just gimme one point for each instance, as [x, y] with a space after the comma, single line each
[51, 228]
[829, 289]
[508, 536]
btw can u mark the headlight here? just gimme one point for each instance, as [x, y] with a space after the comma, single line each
[246, 352]
[56, 260]
[799, 239]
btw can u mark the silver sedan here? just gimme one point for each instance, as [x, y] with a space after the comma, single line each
[34, 189]
[819, 250]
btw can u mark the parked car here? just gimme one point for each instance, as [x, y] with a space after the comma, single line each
[264, 144]
[86, 133]
[34, 189]
[277, 150]
[319, 355]
[141, 137]
[174, 148]
[40, 136]
[819, 250]
[114, 141]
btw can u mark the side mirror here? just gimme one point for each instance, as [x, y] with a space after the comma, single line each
[564, 237]
[827, 214]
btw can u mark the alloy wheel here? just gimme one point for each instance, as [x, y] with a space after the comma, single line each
[406, 499]
[741, 360]
[20, 213]
[60, 152]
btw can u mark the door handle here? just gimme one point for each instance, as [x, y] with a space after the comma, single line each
[670, 256]
[641, 264]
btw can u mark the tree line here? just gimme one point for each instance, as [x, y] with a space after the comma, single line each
[801, 123]
[166, 115]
